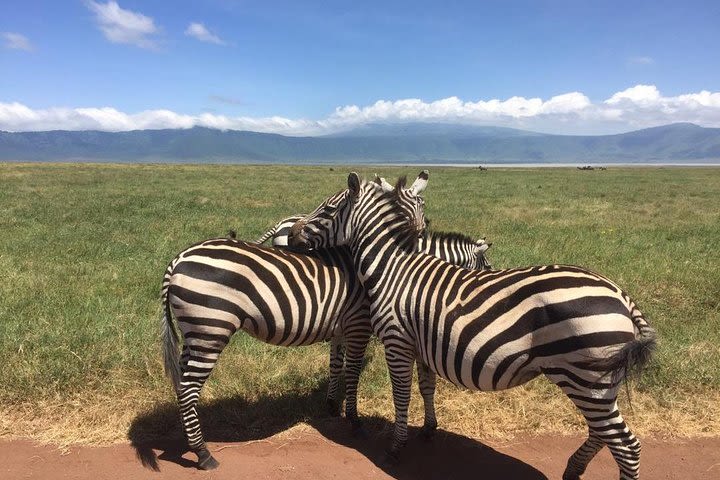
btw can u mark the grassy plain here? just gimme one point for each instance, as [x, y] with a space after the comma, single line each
[83, 249]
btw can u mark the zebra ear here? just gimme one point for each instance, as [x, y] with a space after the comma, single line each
[354, 184]
[481, 246]
[420, 183]
[385, 185]
[382, 184]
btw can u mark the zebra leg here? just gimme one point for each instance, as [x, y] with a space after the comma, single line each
[357, 337]
[400, 364]
[426, 380]
[336, 366]
[606, 427]
[195, 367]
[579, 461]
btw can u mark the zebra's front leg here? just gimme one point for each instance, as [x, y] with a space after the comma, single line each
[336, 366]
[357, 337]
[195, 368]
[427, 381]
[400, 363]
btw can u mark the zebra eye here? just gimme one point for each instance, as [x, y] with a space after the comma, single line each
[330, 208]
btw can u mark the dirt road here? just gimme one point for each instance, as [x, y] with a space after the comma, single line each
[327, 451]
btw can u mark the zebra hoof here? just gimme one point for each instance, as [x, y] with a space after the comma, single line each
[206, 461]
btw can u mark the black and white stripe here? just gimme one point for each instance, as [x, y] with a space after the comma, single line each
[452, 247]
[488, 330]
[279, 233]
[281, 297]
[455, 245]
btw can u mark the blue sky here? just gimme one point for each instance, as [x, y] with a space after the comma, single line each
[311, 67]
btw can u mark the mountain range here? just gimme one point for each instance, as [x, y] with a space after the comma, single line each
[373, 143]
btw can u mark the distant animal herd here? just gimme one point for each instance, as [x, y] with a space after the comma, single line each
[364, 263]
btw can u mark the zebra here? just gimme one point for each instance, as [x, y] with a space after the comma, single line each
[281, 297]
[487, 330]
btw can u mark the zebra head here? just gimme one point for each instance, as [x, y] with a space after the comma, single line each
[399, 210]
[482, 263]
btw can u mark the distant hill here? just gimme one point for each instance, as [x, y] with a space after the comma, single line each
[397, 143]
[416, 129]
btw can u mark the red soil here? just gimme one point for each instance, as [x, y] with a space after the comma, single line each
[327, 451]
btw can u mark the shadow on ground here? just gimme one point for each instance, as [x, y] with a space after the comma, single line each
[226, 420]
[446, 456]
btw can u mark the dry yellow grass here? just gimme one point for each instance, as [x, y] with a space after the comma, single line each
[535, 409]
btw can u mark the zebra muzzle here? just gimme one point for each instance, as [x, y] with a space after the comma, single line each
[297, 237]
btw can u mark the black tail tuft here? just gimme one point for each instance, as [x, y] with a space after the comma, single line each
[171, 354]
[632, 358]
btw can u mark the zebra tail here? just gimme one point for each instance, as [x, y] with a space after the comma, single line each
[633, 357]
[267, 235]
[171, 352]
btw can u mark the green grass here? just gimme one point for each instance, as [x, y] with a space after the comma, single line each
[83, 249]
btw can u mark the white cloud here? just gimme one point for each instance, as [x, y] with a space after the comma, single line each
[639, 94]
[570, 113]
[641, 60]
[569, 102]
[18, 117]
[226, 100]
[124, 26]
[16, 41]
[198, 31]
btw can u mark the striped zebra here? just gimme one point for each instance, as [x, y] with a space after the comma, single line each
[279, 233]
[281, 297]
[488, 330]
[447, 245]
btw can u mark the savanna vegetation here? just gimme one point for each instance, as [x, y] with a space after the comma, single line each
[83, 248]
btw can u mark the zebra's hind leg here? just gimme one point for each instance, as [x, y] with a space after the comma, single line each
[579, 461]
[357, 337]
[196, 365]
[336, 366]
[606, 427]
[427, 381]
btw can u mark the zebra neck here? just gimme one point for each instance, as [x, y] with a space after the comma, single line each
[375, 253]
[451, 247]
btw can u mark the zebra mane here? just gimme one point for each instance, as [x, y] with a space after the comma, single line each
[448, 236]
